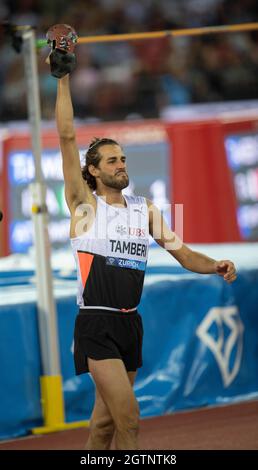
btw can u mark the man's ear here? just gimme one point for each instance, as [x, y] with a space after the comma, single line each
[93, 170]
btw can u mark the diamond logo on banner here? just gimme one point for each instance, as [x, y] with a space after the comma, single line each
[223, 347]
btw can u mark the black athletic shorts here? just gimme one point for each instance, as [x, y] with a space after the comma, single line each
[104, 334]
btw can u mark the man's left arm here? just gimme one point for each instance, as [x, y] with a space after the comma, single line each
[189, 259]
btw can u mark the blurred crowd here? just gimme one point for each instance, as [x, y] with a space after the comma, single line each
[126, 80]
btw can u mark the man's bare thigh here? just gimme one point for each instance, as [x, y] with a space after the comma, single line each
[113, 385]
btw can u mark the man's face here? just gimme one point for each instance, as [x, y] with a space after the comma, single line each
[112, 167]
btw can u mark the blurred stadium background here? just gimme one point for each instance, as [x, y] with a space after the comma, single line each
[186, 111]
[122, 80]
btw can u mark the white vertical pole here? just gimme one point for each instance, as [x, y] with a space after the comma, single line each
[51, 381]
[45, 297]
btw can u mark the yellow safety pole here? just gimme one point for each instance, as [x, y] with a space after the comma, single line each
[52, 402]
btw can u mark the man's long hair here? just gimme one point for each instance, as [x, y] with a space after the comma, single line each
[93, 157]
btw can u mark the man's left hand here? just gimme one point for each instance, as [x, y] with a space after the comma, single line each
[226, 269]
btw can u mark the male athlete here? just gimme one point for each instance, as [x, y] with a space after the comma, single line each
[109, 235]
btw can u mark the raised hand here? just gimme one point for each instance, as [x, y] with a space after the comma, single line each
[62, 39]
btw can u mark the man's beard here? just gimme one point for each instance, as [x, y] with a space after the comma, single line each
[115, 182]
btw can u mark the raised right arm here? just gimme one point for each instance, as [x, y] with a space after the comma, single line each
[76, 188]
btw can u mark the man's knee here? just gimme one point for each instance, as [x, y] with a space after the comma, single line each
[102, 428]
[128, 419]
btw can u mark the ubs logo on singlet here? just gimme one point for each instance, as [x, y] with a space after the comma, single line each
[136, 232]
[133, 231]
[121, 229]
